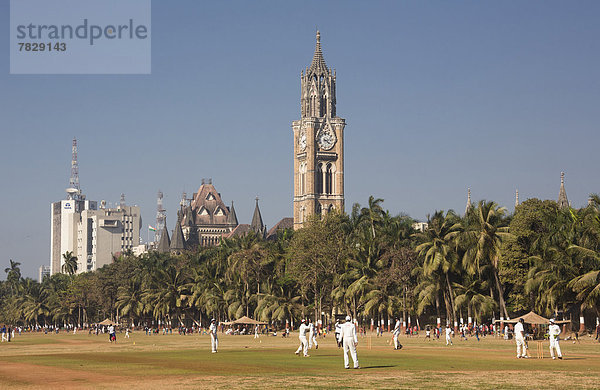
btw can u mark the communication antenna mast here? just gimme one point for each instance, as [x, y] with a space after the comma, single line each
[74, 192]
[122, 202]
[161, 217]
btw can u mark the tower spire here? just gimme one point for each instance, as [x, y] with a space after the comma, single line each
[318, 65]
[469, 205]
[562, 194]
[516, 197]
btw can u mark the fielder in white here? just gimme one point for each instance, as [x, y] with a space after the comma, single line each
[303, 342]
[312, 339]
[448, 335]
[553, 332]
[256, 332]
[214, 341]
[520, 339]
[396, 334]
[348, 338]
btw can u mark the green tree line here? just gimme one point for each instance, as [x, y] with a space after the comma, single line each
[368, 263]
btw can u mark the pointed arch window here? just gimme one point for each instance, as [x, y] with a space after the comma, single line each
[319, 179]
[302, 178]
[329, 179]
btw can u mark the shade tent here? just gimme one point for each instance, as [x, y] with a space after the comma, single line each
[245, 321]
[533, 318]
[108, 322]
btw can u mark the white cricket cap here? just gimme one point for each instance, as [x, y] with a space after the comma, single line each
[348, 318]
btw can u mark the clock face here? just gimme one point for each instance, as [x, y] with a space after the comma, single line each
[302, 140]
[326, 138]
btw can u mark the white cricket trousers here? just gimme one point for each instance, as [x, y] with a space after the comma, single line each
[448, 340]
[312, 340]
[303, 345]
[396, 341]
[350, 346]
[214, 342]
[521, 350]
[554, 345]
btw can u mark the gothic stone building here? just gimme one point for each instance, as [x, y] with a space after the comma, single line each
[318, 144]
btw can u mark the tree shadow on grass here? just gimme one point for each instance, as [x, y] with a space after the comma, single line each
[368, 367]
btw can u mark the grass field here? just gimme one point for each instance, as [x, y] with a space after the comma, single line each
[174, 361]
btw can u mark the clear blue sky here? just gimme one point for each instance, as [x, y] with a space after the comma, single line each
[438, 96]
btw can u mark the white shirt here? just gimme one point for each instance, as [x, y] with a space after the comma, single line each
[312, 327]
[213, 329]
[397, 328]
[348, 331]
[111, 329]
[554, 331]
[448, 331]
[338, 328]
[519, 331]
[303, 330]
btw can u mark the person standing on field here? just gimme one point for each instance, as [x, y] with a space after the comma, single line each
[214, 341]
[304, 329]
[350, 341]
[396, 334]
[338, 331]
[448, 335]
[520, 339]
[553, 332]
[312, 335]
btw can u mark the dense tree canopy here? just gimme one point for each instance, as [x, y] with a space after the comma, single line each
[369, 264]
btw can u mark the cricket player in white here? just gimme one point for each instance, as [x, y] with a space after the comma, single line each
[303, 342]
[448, 335]
[520, 339]
[214, 341]
[312, 339]
[553, 332]
[338, 331]
[396, 334]
[348, 338]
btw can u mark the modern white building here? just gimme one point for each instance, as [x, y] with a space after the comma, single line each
[65, 217]
[94, 235]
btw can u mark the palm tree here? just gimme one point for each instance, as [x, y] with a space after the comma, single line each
[373, 214]
[488, 230]
[70, 263]
[13, 275]
[439, 253]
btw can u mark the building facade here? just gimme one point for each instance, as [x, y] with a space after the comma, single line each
[104, 233]
[65, 216]
[318, 143]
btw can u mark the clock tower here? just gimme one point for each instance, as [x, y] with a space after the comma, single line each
[318, 144]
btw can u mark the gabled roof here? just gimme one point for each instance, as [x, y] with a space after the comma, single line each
[563, 202]
[209, 199]
[164, 245]
[178, 242]
[285, 223]
[318, 65]
[239, 231]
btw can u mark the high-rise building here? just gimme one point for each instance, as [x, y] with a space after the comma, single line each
[65, 217]
[43, 272]
[104, 233]
[318, 143]
[91, 234]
